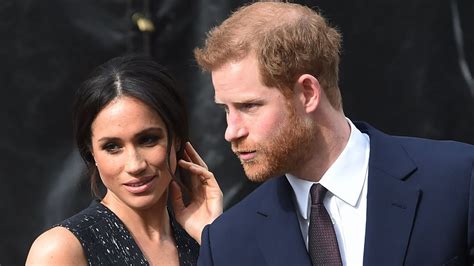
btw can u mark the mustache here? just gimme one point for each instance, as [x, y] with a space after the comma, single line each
[241, 146]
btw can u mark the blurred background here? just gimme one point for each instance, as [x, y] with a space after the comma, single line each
[406, 69]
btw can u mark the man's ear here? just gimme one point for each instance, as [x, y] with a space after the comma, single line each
[310, 92]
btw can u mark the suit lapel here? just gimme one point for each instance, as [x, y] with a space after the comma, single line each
[279, 230]
[391, 201]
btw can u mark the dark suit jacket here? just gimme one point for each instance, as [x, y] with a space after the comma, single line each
[420, 211]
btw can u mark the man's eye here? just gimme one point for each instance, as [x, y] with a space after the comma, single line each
[149, 140]
[249, 106]
[111, 148]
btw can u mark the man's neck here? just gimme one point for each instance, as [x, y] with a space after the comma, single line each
[331, 138]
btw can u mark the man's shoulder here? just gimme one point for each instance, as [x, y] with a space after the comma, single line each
[436, 150]
[417, 146]
[450, 146]
[440, 158]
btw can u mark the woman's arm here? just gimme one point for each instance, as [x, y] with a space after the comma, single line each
[57, 246]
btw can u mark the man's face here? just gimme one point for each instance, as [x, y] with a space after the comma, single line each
[266, 131]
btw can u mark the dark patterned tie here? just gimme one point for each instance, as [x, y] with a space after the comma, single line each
[323, 248]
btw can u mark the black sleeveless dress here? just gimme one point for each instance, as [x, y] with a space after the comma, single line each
[106, 241]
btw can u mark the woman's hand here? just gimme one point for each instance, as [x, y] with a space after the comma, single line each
[206, 198]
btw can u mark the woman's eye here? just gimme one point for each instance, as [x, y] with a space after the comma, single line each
[111, 148]
[149, 140]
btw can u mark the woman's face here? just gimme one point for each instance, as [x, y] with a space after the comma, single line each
[129, 143]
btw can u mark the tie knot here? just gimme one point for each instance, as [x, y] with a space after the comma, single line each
[317, 193]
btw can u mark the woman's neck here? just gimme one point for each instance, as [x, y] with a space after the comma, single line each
[152, 222]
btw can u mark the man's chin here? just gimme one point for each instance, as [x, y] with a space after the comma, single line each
[257, 175]
[256, 178]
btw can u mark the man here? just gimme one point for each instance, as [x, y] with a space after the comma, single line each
[389, 201]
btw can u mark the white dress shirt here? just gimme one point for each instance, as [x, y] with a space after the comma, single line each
[346, 199]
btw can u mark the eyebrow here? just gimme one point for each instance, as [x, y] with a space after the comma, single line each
[242, 101]
[141, 133]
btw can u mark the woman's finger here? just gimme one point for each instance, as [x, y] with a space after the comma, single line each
[186, 156]
[193, 155]
[195, 177]
[204, 176]
[195, 169]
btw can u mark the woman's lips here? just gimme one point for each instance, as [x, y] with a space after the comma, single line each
[141, 185]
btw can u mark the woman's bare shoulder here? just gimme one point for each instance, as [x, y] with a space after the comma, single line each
[57, 246]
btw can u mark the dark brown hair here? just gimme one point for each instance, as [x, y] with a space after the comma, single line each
[135, 76]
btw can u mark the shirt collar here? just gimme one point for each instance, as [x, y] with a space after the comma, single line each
[345, 177]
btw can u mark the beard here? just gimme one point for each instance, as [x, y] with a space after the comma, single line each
[286, 151]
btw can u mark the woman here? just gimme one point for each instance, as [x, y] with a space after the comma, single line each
[131, 129]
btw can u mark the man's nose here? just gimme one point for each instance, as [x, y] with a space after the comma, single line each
[236, 127]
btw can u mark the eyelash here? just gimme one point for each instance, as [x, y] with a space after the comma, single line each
[147, 141]
[243, 106]
[248, 106]
[111, 147]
